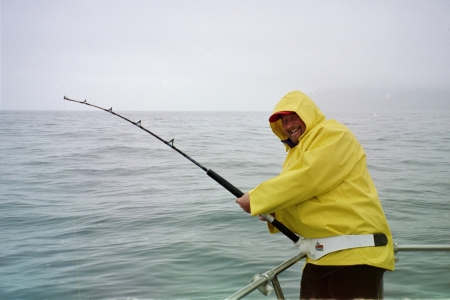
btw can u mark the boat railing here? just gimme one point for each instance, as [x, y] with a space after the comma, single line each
[268, 281]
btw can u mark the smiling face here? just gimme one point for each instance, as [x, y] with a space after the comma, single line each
[293, 126]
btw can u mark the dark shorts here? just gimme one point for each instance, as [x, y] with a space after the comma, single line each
[341, 282]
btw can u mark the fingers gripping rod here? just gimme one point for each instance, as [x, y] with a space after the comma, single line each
[231, 188]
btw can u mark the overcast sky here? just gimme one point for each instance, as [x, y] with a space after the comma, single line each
[220, 55]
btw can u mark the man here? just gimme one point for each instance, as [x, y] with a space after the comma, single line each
[325, 190]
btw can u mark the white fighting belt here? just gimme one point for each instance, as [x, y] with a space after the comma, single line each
[317, 248]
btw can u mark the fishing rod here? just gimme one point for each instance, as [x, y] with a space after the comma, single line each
[231, 188]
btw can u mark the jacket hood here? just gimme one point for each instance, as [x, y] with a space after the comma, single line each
[305, 108]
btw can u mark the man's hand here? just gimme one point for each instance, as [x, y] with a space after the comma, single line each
[264, 219]
[244, 202]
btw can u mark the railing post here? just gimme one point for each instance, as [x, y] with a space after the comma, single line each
[277, 287]
[267, 277]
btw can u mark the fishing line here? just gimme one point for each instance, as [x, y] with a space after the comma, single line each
[231, 188]
[73, 217]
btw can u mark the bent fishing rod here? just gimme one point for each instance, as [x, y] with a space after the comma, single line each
[231, 188]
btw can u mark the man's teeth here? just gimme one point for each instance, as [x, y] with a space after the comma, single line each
[294, 131]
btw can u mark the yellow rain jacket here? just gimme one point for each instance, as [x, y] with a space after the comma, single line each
[324, 188]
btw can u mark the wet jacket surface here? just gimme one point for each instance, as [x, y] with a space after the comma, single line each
[324, 188]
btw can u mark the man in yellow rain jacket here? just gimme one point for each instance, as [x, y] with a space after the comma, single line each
[325, 190]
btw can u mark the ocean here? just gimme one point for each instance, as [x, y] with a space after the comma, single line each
[95, 208]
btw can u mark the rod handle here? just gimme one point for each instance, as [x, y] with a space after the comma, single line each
[286, 231]
[223, 182]
[235, 191]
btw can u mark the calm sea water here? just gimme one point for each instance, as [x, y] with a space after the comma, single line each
[95, 208]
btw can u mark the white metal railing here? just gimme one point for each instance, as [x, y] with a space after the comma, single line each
[268, 281]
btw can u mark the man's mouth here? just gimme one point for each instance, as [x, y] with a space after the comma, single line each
[294, 131]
